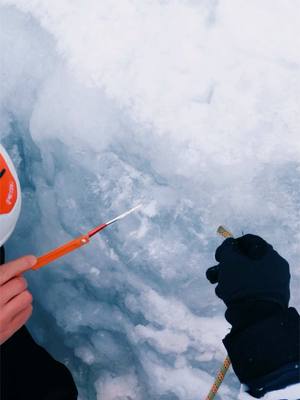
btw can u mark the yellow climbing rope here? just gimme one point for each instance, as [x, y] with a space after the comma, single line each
[226, 364]
[219, 379]
[224, 232]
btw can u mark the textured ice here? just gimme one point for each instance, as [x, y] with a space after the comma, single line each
[190, 107]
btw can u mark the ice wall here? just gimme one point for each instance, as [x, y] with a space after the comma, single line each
[190, 107]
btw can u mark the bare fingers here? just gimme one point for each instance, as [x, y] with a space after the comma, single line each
[11, 289]
[14, 307]
[16, 323]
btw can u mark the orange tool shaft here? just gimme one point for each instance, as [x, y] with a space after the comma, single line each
[61, 251]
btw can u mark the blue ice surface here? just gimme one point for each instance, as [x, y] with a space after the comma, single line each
[199, 140]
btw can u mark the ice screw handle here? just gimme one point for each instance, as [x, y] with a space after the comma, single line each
[61, 251]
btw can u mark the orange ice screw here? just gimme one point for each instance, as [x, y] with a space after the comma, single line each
[77, 242]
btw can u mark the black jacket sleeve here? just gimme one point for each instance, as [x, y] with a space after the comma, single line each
[29, 372]
[259, 351]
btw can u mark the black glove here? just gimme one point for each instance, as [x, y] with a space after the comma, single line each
[249, 267]
[251, 246]
[212, 274]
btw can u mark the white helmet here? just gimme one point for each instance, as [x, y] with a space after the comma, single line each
[10, 196]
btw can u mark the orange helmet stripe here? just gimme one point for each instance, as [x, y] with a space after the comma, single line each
[8, 188]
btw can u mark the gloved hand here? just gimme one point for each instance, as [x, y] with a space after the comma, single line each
[249, 267]
[253, 281]
[250, 245]
[212, 274]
